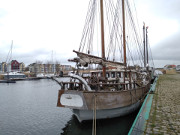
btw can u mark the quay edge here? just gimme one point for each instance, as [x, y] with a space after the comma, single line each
[139, 123]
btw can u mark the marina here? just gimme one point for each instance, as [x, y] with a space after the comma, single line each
[29, 107]
[107, 83]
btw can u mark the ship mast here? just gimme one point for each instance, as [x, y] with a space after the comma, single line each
[147, 45]
[144, 45]
[124, 33]
[102, 37]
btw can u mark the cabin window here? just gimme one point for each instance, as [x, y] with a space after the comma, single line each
[119, 74]
[93, 74]
[107, 75]
[113, 74]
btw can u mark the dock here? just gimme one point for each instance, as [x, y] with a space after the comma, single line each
[160, 112]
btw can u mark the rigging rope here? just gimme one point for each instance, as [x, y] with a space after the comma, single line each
[94, 117]
[113, 32]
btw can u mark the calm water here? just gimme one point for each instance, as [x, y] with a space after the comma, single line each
[29, 108]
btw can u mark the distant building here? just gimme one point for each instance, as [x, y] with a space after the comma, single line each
[43, 68]
[46, 68]
[57, 68]
[13, 66]
[53, 68]
[66, 67]
[31, 67]
[169, 67]
[36, 68]
[3, 67]
[21, 67]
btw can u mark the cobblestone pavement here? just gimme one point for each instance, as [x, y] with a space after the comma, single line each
[164, 118]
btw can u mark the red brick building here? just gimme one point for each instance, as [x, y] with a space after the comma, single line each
[15, 65]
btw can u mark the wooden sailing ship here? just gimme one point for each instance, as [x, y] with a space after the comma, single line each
[112, 88]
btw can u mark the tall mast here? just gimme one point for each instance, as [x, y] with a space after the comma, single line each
[147, 46]
[144, 43]
[102, 36]
[124, 33]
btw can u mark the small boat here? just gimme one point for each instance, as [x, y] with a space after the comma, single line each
[7, 81]
[49, 75]
[40, 76]
[14, 75]
[102, 84]
[11, 76]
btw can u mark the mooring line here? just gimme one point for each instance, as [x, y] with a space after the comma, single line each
[94, 117]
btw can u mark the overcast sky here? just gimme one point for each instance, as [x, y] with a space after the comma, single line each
[41, 29]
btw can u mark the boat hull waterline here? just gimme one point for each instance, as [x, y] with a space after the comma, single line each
[83, 115]
[108, 104]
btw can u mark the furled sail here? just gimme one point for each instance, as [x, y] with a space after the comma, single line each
[85, 59]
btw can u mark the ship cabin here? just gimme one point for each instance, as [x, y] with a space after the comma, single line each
[115, 81]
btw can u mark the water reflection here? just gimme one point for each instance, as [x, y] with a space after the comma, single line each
[115, 126]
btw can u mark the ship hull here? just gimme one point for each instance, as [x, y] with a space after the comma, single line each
[108, 104]
[83, 115]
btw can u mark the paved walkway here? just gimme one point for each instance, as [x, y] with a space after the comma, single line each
[164, 117]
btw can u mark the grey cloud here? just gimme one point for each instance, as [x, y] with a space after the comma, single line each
[168, 49]
[165, 8]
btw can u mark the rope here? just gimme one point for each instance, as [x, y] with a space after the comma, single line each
[94, 117]
[113, 32]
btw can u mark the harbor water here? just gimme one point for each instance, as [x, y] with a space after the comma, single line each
[29, 108]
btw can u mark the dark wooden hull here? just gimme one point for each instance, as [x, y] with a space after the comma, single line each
[106, 101]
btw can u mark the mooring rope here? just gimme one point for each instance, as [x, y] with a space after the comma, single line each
[94, 117]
